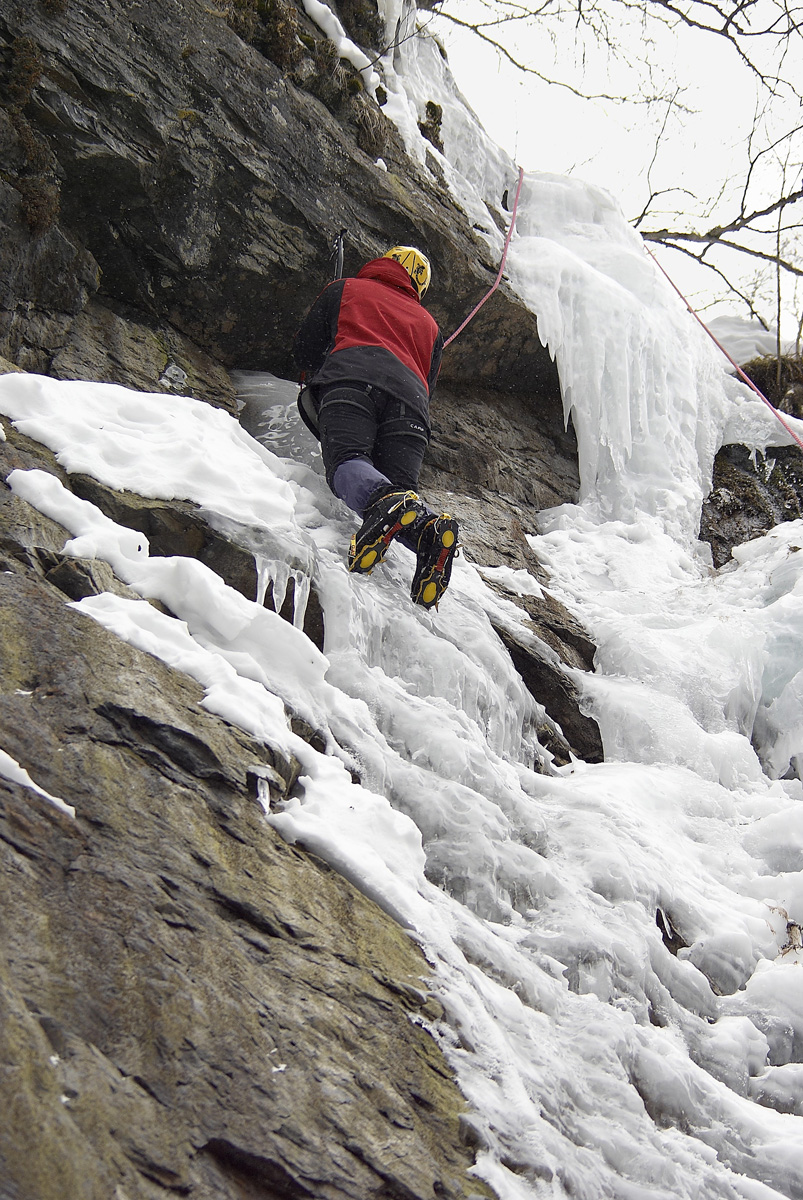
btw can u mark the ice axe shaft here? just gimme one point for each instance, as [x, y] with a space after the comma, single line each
[337, 254]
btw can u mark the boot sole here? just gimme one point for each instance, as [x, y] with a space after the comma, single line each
[429, 586]
[362, 562]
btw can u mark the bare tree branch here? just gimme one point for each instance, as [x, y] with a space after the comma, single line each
[654, 196]
[669, 237]
[478, 30]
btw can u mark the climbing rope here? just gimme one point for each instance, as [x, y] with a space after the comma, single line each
[498, 279]
[732, 361]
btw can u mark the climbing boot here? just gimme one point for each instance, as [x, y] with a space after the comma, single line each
[386, 517]
[437, 547]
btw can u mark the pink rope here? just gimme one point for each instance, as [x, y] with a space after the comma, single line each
[732, 361]
[498, 279]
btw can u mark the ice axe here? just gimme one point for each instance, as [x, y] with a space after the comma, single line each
[336, 258]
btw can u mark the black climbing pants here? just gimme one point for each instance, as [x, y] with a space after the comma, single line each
[357, 420]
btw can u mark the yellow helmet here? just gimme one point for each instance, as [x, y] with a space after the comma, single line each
[415, 264]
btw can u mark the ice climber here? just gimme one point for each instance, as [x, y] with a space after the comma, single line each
[370, 354]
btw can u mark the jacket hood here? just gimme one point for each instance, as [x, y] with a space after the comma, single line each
[387, 270]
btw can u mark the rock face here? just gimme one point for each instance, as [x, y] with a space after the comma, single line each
[187, 1005]
[749, 497]
[196, 187]
[751, 494]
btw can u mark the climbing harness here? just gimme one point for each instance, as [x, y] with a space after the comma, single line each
[498, 279]
[731, 360]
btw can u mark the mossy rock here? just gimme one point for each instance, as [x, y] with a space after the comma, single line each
[781, 383]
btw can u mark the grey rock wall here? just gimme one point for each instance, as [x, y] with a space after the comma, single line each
[197, 186]
[188, 1006]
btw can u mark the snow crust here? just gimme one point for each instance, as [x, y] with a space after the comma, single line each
[744, 339]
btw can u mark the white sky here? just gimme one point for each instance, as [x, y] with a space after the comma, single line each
[546, 128]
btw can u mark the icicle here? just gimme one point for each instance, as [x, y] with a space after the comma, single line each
[281, 578]
[263, 578]
[276, 574]
[301, 589]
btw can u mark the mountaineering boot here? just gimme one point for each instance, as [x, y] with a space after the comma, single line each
[437, 547]
[386, 517]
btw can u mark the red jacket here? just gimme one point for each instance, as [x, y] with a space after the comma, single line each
[372, 329]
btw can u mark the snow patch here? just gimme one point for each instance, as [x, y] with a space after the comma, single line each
[10, 769]
[326, 21]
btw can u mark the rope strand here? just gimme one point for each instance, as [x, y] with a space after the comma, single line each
[498, 279]
[731, 360]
